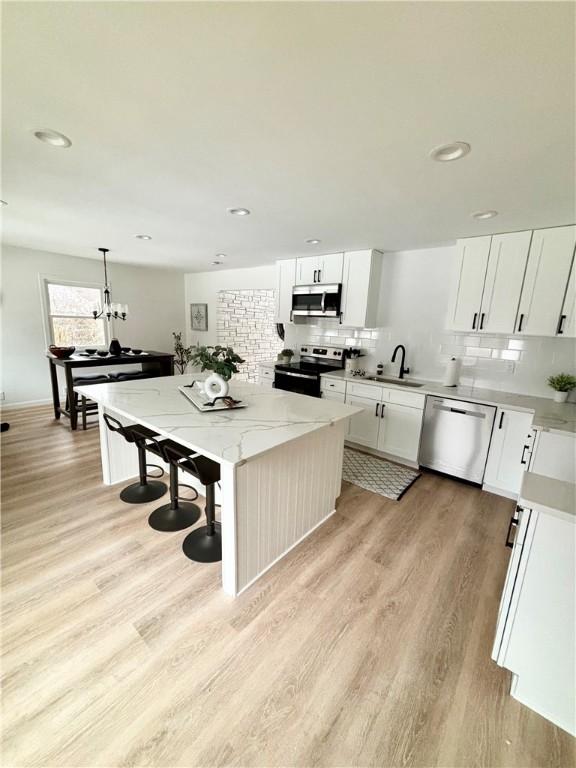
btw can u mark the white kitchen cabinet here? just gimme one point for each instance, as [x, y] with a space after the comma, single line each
[503, 284]
[319, 269]
[339, 397]
[509, 448]
[400, 430]
[535, 634]
[331, 384]
[567, 322]
[265, 376]
[546, 280]
[554, 455]
[473, 253]
[361, 288]
[285, 281]
[363, 427]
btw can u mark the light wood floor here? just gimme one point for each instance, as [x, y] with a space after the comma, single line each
[368, 646]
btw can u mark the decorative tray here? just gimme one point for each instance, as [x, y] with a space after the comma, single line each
[205, 404]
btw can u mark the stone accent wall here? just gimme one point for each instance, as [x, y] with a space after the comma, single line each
[246, 321]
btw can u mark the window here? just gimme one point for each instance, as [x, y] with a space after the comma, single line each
[70, 319]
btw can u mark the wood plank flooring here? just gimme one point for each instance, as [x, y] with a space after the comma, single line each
[369, 645]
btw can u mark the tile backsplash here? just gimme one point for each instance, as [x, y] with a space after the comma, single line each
[507, 363]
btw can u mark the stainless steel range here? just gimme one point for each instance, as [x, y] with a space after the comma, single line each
[303, 376]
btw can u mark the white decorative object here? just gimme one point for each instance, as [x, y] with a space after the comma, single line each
[216, 386]
[452, 373]
[561, 397]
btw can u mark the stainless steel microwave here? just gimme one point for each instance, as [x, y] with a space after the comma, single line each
[318, 300]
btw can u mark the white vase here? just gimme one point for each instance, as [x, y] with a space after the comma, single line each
[216, 386]
[560, 397]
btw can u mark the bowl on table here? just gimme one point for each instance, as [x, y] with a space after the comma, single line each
[61, 352]
[125, 349]
[91, 350]
[102, 353]
[136, 351]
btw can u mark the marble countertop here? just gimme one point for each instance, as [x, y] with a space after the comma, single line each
[548, 415]
[548, 495]
[271, 418]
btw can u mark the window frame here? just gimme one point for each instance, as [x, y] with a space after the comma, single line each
[45, 281]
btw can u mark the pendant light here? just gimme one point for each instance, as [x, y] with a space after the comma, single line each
[109, 309]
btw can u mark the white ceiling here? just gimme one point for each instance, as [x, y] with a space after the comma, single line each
[317, 116]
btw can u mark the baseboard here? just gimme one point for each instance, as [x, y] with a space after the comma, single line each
[25, 404]
[381, 455]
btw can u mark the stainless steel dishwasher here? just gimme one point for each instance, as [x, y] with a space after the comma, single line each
[456, 437]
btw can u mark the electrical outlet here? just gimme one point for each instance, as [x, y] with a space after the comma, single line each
[510, 366]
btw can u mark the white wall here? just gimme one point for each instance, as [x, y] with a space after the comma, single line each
[155, 298]
[203, 287]
[416, 293]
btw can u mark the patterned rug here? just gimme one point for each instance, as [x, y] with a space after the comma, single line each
[377, 475]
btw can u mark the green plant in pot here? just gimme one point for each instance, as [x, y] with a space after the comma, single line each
[562, 384]
[286, 356]
[222, 361]
[182, 354]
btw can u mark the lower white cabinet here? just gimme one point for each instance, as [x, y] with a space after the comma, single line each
[535, 634]
[363, 427]
[554, 455]
[509, 451]
[265, 376]
[339, 397]
[400, 428]
[390, 422]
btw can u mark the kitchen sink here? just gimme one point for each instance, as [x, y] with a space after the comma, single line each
[399, 382]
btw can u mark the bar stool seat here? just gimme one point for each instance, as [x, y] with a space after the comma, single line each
[86, 405]
[120, 376]
[178, 514]
[144, 490]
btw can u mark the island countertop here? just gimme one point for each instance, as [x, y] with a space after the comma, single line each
[271, 417]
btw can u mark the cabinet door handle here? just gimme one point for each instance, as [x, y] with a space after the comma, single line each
[382, 411]
[513, 523]
[319, 273]
[523, 459]
[377, 410]
[315, 275]
[520, 321]
[561, 323]
[501, 419]
[482, 316]
[474, 321]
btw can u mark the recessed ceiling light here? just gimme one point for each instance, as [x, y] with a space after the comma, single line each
[447, 152]
[485, 214]
[220, 255]
[143, 237]
[239, 211]
[313, 241]
[53, 138]
[3, 203]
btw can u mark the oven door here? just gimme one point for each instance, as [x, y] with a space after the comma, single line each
[300, 383]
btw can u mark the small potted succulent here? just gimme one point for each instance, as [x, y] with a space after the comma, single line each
[286, 356]
[562, 384]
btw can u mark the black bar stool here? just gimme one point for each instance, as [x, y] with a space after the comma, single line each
[204, 544]
[177, 515]
[86, 406]
[144, 490]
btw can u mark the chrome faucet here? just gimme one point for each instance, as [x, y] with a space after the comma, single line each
[403, 370]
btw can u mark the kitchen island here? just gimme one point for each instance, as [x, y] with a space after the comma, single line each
[280, 460]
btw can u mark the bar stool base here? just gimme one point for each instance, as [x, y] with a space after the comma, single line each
[202, 548]
[167, 519]
[141, 494]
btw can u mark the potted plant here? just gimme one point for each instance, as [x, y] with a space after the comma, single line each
[222, 361]
[182, 354]
[562, 383]
[286, 356]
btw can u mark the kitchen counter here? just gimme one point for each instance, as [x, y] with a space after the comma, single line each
[549, 495]
[280, 460]
[548, 415]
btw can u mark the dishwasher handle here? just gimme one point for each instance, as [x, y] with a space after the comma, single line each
[462, 411]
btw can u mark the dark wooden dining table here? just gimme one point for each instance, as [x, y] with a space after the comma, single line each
[152, 363]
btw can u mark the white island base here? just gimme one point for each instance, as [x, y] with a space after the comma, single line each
[281, 471]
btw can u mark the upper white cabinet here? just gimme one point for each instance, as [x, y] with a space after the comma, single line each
[503, 284]
[285, 277]
[319, 269]
[567, 322]
[361, 288]
[546, 280]
[509, 452]
[491, 270]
